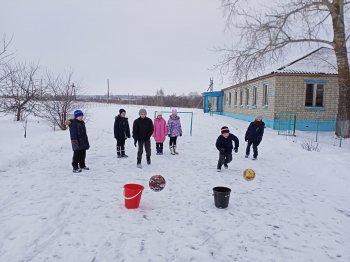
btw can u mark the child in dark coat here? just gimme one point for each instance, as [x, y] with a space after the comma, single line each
[254, 136]
[121, 132]
[224, 145]
[141, 132]
[79, 140]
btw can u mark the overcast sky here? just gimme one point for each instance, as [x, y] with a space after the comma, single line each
[141, 46]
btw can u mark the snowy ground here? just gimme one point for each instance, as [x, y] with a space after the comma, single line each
[297, 208]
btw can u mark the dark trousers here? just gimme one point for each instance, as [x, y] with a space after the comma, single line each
[224, 158]
[172, 141]
[79, 159]
[159, 147]
[147, 145]
[255, 148]
[121, 147]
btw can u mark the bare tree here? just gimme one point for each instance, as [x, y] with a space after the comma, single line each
[19, 90]
[4, 55]
[267, 34]
[159, 97]
[59, 99]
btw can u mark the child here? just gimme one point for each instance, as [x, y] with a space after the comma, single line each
[160, 132]
[80, 141]
[224, 145]
[254, 136]
[121, 132]
[141, 132]
[174, 130]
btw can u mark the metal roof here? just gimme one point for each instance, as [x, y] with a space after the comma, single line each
[320, 61]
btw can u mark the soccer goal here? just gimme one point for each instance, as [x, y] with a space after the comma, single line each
[189, 114]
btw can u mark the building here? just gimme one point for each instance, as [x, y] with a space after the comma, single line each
[302, 95]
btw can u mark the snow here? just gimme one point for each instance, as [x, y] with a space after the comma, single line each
[296, 209]
[320, 61]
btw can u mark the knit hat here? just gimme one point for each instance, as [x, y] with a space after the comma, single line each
[78, 113]
[259, 117]
[225, 129]
[121, 110]
[142, 111]
[174, 111]
[160, 113]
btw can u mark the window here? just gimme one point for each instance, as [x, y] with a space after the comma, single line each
[314, 95]
[235, 98]
[247, 97]
[229, 99]
[265, 95]
[240, 97]
[254, 96]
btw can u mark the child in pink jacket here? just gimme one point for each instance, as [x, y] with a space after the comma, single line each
[160, 132]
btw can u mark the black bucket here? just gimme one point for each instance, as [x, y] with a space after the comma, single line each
[221, 196]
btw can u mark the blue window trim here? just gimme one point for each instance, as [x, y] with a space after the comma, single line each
[316, 81]
[315, 108]
[265, 107]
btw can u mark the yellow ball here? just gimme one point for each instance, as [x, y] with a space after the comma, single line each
[249, 174]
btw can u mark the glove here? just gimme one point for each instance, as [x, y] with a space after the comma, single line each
[180, 134]
[168, 135]
[246, 138]
[135, 142]
[236, 150]
[75, 145]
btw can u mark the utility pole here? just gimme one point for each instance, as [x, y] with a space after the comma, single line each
[41, 88]
[211, 85]
[74, 92]
[107, 91]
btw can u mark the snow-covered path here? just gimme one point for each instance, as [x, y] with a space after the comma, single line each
[297, 208]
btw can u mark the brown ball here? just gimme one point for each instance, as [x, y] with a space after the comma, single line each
[157, 183]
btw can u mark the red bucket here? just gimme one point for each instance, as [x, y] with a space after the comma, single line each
[132, 195]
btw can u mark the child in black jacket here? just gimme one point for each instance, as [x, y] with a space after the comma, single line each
[254, 136]
[121, 132]
[79, 140]
[141, 132]
[224, 145]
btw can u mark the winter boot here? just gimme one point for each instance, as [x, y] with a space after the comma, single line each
[139, 163]
[123, 152]
[176, 153]
[255, 158]
[84, 168]
[218, 170]
[226, 166]
[246, 156]
[76, 170]
[148, 160]
[119, 155]
[172, 151]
